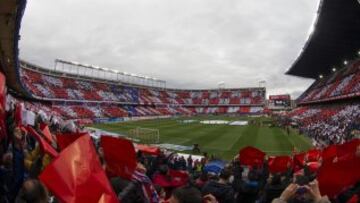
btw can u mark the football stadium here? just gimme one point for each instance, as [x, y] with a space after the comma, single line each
[81, 133]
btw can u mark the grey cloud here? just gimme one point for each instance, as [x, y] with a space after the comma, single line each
[188, 43]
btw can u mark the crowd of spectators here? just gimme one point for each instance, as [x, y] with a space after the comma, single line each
[162, 177]
[36, 167]
[328, 123]
[344, 83]
[82, 98]
[42, 85]
[74, 110]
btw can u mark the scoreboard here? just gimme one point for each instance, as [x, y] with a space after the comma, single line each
[279, 101]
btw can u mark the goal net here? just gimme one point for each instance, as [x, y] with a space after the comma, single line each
[145, 135]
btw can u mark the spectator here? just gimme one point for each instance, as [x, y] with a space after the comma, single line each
[186, 195]
[306, 193]
[248, 189]
[190, 163]
[273, 188]
[32, 191]
[221, 189]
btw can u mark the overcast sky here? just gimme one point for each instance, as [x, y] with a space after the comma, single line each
[188, 43]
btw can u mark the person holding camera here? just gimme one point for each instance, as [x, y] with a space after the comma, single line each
[302, 193]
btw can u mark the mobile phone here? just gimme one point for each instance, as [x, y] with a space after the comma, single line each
[301, 190]
[301, 180]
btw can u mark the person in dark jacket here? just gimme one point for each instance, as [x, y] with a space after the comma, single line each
[186, 194]
[18, 162]
[221, 189]
[32, 191]
[249, 189]
[6, 177]
[274, 188]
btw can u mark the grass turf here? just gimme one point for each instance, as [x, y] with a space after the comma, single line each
[223, 141]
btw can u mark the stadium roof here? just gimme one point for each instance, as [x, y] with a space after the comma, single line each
[11, 13]
[336, 38]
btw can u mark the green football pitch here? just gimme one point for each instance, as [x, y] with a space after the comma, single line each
[223, 141]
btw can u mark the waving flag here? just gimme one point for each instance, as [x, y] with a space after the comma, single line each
[66, 139]
[76, 175]
[335, 176]
[120, 156]
[299, 160]
[251, 156]
[18, 114]
[148, 149]
[175, 178]
[279, 164]
[329, 153]
[44, 145]
[46, 132]
[347, 148]
[313, 155]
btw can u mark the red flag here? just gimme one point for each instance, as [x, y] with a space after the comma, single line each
[270, 159]
[313, 155]
[298, 161]
[279, 164]
[46, 132]
[347, 148]
[334, 177]
[120, 156]
[44, 145]
[3, 131]
[329, 153]
[175, 178]
[76, 175]
[148, 149]
[354, 199]
[251, 156]
[313, 166]
[179, 178]
[18, 115]
[64, 140]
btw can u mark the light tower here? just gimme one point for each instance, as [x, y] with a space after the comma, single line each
[262, 83]
[221, 85]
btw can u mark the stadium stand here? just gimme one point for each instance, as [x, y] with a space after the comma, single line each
[328, 110]
[344, 83]
[328, 123]
[45, 85]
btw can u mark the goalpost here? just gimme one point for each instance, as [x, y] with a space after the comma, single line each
[145, 135]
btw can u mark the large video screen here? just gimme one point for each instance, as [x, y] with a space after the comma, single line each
[279, 101]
